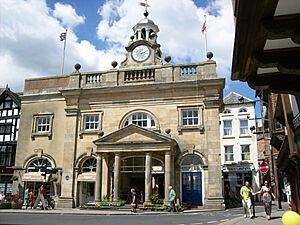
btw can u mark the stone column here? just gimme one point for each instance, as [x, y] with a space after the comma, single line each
[98, 179]
[105, 177]
[66, 199]
[147, 34]
[148, 177]
[168, 165]
[116, 176]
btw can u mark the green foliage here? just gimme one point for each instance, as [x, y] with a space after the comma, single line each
[156, 199]
[5, 205]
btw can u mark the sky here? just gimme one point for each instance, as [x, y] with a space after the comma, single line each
[99, 30]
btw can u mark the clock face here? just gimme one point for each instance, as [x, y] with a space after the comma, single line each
[140, 53]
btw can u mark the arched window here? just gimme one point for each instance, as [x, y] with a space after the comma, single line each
[191, 163]
[227, 111]
[242, 110]
[39, 165]
[89, 165]
[140, 119]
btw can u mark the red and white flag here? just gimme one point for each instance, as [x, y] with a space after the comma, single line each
[203, 29]
[63, 36]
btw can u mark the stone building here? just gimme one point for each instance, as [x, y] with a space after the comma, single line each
[146, 124]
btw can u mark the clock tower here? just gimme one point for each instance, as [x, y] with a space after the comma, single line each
[143, 49]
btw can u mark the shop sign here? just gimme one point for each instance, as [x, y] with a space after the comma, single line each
[87, 177]
[236, 169]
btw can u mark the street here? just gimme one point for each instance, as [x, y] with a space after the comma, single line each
[50, 218]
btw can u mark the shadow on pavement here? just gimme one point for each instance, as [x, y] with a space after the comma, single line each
[275, 217]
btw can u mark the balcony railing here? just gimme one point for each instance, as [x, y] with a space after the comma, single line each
[93, 78]
[139, 75]
[189, 70]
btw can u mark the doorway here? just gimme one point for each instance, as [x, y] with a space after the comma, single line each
[192, 188]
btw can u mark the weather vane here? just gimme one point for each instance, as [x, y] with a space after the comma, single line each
[146, 5]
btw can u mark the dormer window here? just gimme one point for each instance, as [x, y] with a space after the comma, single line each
[227, 111]
[242, 110]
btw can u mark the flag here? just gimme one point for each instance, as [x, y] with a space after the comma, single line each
[63, 36]
[203, 29]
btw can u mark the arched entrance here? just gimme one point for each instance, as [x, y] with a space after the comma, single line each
[86, 181]
[37, 173]
[192, 180]
[132, 169]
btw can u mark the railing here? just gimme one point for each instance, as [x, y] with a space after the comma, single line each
[139, 75]
[189, 70]
[93, 78]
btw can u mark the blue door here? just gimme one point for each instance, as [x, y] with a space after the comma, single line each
[192, 188]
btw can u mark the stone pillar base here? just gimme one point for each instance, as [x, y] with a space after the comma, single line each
[215, 203]
[65, 202]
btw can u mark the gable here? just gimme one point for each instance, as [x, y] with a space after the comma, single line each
[133, 133]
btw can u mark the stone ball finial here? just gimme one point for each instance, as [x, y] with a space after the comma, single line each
[132, 37]
[168, 58]
[168, 130]
[114, 64]
[77, 66]
[101, 133]
[209, 55]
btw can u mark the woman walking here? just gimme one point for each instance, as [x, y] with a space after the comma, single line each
[266, 193]
[134, 200]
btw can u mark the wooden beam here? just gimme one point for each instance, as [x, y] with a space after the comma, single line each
[285, 58]
[276, 82]
[286, 26]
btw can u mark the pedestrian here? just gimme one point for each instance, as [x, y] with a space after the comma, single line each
[172, 196]
[266, 193]
[134, 200]
[2, 196]
[288, 193]
[26, 197]
[246, 192]
[30, 200]
[40, 197]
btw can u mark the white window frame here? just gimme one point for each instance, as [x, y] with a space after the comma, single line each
[231, 154]
[229, 134]
[35, 127]
[244, 128]
[242, 152]
[83, 130]
[199, 126]
[91, 123]
[131, 120]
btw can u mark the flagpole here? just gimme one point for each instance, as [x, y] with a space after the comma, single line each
[64, 51]
[205, 36]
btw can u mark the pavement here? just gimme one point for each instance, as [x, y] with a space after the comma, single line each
[260, 218]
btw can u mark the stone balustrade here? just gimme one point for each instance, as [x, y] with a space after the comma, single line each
[166, 73]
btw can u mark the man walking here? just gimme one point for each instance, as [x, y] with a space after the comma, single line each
[172, 199]
[40, 197]
[246, 192]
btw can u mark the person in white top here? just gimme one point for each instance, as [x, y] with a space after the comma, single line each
[2, 196]
[266, 193]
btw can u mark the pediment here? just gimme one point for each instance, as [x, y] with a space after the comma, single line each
[133, 134]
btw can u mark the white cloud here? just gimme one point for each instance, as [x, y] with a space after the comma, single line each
[180, 23]
[30, 46]
[67, 14]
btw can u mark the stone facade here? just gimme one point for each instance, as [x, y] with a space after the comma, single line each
[145, 125]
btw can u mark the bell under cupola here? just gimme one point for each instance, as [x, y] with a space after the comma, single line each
[143, 49]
